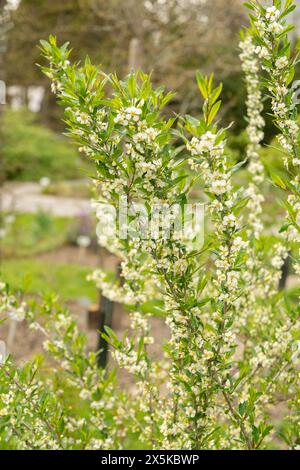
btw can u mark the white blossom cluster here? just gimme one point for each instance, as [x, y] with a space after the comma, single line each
[261, 282]
[250, 66]
[219, 340]
[11, 308]
[283, 95]
[279, 64]
[282, 105]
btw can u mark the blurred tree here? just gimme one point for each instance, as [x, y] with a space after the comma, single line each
[175, 38]
[5, 24]
[35, 20]
[171, 37]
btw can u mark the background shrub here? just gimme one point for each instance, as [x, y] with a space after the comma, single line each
[31, 151]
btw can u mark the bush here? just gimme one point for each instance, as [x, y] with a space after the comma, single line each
[233, 352]
[31, 151]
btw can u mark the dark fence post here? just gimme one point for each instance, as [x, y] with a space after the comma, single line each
[285, 271]
[105, 318]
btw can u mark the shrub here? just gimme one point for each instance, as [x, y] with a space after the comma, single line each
[234, 347]
[31, 151]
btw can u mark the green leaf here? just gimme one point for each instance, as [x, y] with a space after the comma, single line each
[114, 340]
[249, 6]
[277, 180]
[214, 110]
[132, 85]
[215, 94]
[202, 85]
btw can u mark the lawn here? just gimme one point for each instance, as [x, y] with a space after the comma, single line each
[31, 234]
[42, 277]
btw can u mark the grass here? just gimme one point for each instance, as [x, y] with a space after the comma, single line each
[41, 277]
[31, 234]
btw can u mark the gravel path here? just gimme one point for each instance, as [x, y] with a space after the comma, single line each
[27, 197]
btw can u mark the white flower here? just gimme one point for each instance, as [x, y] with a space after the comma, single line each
[229, 220]
[85, 394]
[280, 109]
[206, 143]
[219, 186]
[262, 52]
[102, 126]
[272, 13]
[83, 118]
[119, 119]
[281, 62]
[275, 28]
[232, 279]
[133, 113]
[292, 126]
[281, 90]
[238, 244]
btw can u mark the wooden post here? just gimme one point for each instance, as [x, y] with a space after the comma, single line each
[285, 270]
[105, 319]
[103, 314]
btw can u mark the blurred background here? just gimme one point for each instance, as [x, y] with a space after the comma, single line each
[46, 226]
[171, 38]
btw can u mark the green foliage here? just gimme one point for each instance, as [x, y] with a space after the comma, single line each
[41, 277]
[31, 234]
[31, 151]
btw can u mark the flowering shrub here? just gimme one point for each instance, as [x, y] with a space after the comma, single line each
[37, 408]
[233, 352]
